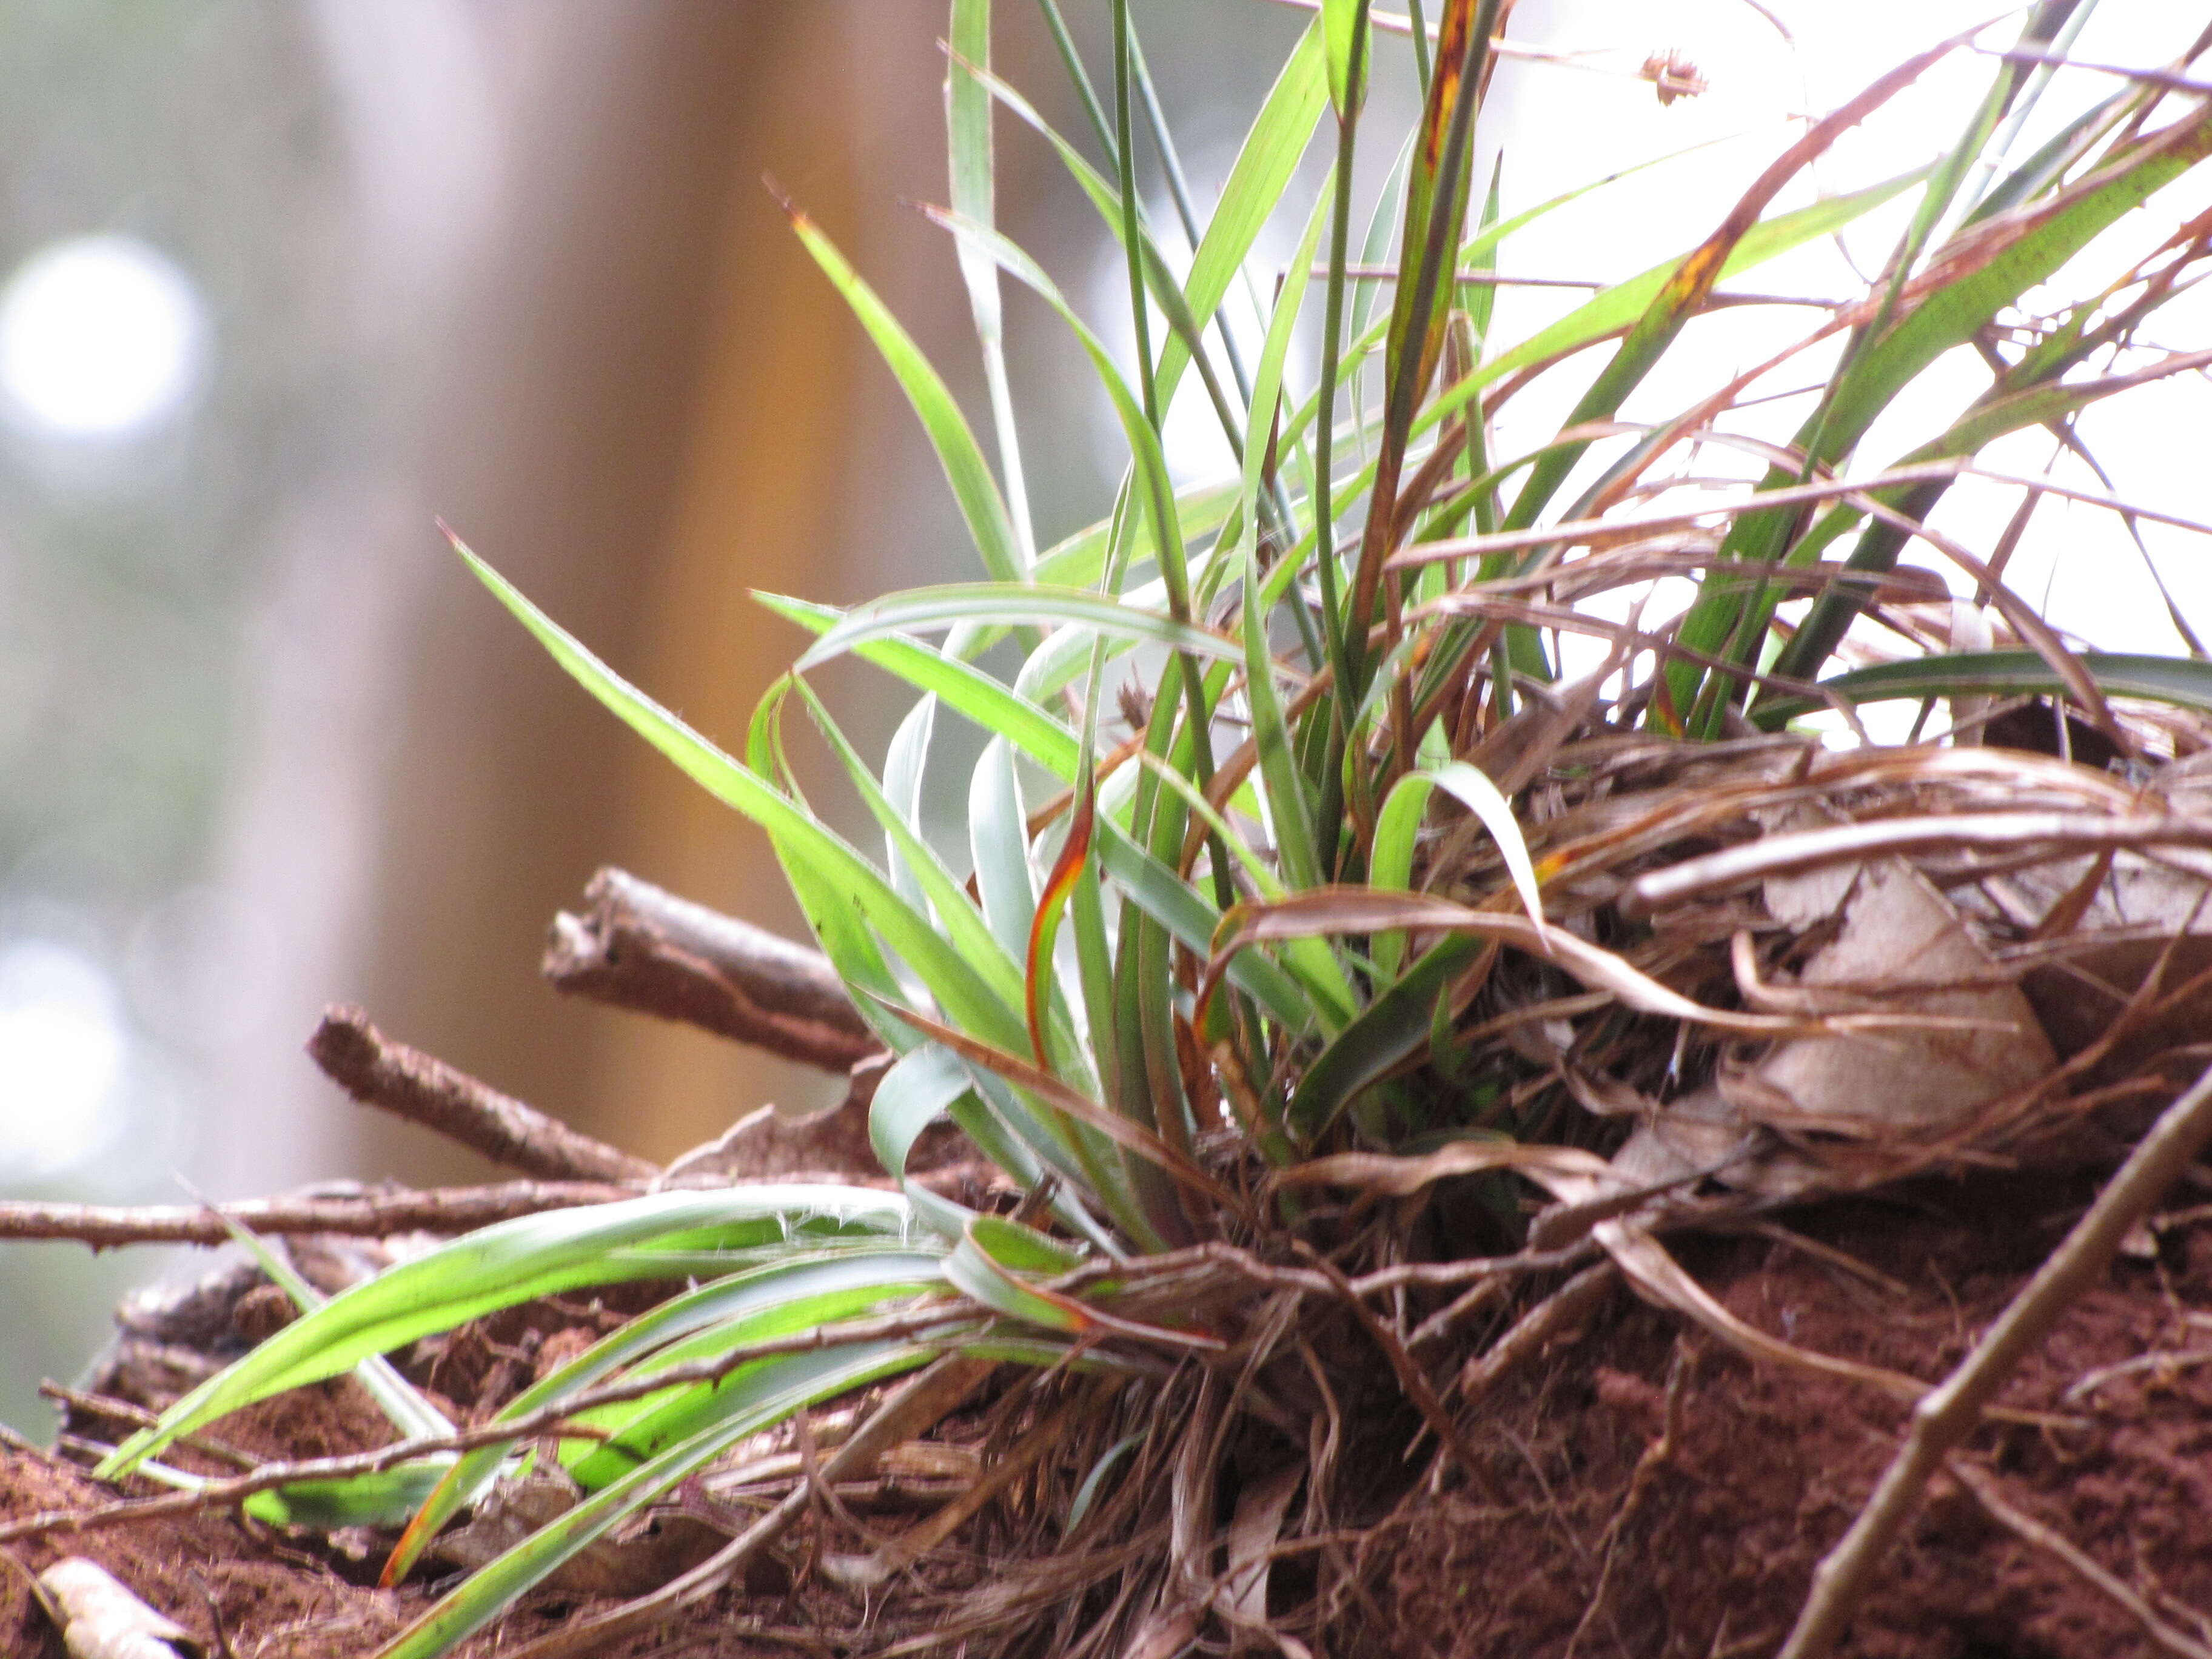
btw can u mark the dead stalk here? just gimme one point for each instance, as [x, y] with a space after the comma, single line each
[1563, 1310]
[1948, 1413]
[2055, 833]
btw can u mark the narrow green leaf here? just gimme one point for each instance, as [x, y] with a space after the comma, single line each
[1613, 309]
[906, 764]
[965, 468]
[732, 1298]
[801, 840]
[2017, 401]
[1398, 826]
[1344, 27]
[384, 1498]
[500, 1265]
[1686, 289]
[1394, 1027]
[957, 913]
[967, 145]
[1156, 887]
[1256, 183]
[914, 1093]
[1061, 1144]
[1267, 385]
[953, 602]
[1289, 806]
[977, 1276]
[637, 1430]
[961, 686]
[1080, 560]
[998, 840]
[2042, 239]
[404, 1406]
[773, 1394]
[1159, 280]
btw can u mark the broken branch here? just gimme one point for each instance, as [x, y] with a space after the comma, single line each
[638, 947]
[424, 1090]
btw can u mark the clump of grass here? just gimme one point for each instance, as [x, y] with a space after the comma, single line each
[1316, 923]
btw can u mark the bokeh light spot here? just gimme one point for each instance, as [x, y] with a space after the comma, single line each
[100, 338]
[62, 1049]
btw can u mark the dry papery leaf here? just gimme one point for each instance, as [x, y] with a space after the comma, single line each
[2004, 946]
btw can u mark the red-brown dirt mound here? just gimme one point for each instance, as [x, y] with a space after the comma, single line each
[1710, 1551]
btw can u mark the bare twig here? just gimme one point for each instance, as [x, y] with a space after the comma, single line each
[2166, 79]
[82, 1403]
[1563, 1310]
[640, 948]
[424, 1090]
[2163, 1360]
[1949, 1412]
[1982, 1488]
[438, 1210]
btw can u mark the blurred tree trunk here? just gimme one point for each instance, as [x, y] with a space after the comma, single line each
[652, 408]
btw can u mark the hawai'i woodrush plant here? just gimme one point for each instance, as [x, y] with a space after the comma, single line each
[1260, 906]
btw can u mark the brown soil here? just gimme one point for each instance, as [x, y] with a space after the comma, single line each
[1708, 1552]
[253, 1591]
[260, 1594]
[1711, 1552]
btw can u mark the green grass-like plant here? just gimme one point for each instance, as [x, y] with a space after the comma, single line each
[1166, 973]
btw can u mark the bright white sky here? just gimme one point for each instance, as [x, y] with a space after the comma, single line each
[1562, 128]
[2076, 561]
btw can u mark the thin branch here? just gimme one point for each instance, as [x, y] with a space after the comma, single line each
[1948, 1413]
[2128, 509]
[424, 1090]
[1564, 1310]
[1476, 276]
[640, 948]
[438, 1210]
[1981, 1487]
